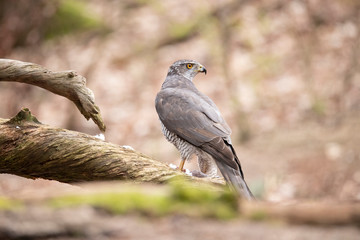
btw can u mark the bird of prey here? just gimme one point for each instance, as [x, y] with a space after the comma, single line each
[191, 121]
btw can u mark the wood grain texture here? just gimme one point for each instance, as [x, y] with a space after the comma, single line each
[34, 150]
[65, 83]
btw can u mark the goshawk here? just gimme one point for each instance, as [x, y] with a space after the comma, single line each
[192, 122]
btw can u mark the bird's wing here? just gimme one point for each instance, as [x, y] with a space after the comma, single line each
[191, 117]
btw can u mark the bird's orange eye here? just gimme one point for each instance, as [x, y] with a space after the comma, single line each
[189, 65]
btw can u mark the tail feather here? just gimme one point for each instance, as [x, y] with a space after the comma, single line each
[225, 158]
[235, 180]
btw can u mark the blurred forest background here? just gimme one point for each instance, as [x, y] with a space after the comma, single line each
[285, 75]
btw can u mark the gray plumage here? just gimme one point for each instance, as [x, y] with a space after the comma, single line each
[192, 122]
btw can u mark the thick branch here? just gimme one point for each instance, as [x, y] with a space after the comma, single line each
[67, 83]
[30, 149]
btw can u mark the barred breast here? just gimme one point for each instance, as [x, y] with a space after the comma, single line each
[186, 149]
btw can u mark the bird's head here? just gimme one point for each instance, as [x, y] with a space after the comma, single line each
[186, 68]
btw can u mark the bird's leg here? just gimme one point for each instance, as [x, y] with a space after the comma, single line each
[207, 165]
[182, 163]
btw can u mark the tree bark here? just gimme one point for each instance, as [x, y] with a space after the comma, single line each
[33, 150]
[67, 83]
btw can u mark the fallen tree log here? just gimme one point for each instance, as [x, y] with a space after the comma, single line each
[31, 149]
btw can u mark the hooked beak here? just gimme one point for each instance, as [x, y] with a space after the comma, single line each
[202, 69]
